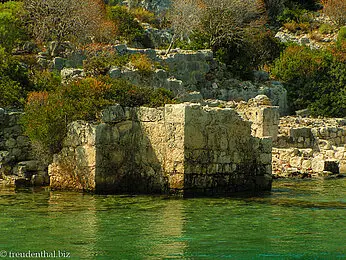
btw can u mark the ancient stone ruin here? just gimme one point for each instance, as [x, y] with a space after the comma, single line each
[184, 148]
[307, 147]
[17, 165]
[183, 72]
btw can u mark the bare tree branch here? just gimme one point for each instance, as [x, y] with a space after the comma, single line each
[62, 20]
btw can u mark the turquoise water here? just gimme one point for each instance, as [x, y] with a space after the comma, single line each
[297, 220]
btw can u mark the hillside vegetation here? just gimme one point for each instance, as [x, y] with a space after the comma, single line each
[240, 33]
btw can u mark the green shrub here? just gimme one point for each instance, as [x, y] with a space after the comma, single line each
[275, 8]
[142, 63]
[330, 95]
[160, 97]
[10, 92]
[13, 80]
[44, 80]
[12, 29]
[129, 95]
[47, 114]
[11, 67]
[197, 41]
[294, 15]
[298, 62]
[126, 25]
[257, 48]
[294, 26]
[341, 36]
[143, 15]
[314, 79]
[45, 120]
[325, 28]
[99, 62]
[339, 51]
[113, 2]
[264, 48]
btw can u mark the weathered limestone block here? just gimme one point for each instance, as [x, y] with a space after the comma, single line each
[146, 114]
[191, 68]
[303, 136]
[329, 154]
[80, 133]
[114, 72]
[113, 114]
[325, 165]
[266, 145]
[71, 73]
[183, 148]
[264, 118]
[306, 165]
[296, 161]
[266, 158]
[342, 166]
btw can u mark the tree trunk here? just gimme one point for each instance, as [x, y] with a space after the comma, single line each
[171, 44]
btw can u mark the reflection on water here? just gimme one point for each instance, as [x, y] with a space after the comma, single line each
[298, 219]
[72, 218]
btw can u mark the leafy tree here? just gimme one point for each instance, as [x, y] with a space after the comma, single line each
[314, 79]
[274, 8]
[12, 68]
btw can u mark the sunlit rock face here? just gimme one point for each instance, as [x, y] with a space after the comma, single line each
[186, 148]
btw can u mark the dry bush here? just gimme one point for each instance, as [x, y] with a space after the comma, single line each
[142, 63]
[60, 20]
[336, 10]
[316, 36]
[295, 27]
[225, 20]
[106, 33]
[185, 17]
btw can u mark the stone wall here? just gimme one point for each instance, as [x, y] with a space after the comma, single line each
[221, 155]
[183, 72]
[185, 148]
[308, 147]
[16, 159]
[264, 117]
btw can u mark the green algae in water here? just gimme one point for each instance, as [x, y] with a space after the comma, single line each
[297, 220]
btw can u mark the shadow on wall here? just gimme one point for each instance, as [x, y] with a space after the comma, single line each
[221, 156]
[130, 154]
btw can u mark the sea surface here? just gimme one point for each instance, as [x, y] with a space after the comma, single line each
[299, 219]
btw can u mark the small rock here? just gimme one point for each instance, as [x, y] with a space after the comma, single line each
[114, 72]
